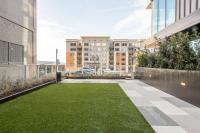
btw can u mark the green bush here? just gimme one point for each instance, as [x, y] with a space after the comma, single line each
[175, 52]
[143, 60]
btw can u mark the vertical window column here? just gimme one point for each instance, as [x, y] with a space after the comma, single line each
[170, 11]
[16, 53]
[4, 54]
[161, 15]
[155, 16]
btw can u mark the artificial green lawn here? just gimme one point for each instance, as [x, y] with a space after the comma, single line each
[73, 108]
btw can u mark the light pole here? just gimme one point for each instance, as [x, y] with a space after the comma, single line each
[132, 75]
[56, 65]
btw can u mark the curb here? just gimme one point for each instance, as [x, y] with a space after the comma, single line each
[21, 93]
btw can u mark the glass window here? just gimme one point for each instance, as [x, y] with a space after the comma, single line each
[73, 44]
[3, 52]
[86, 44]
[161, 15]
[16, 53]
[73, 49]
[155, 16]
[79, 49]
[170, 12]
[116, 49]
[86, 54]
[124, 44]
[86, 49]
[116, 44]
[86, 59]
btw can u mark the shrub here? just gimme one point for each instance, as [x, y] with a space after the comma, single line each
[175, 52]
[8, 86]
[143, 60]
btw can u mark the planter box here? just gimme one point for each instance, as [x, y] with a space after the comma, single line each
[23, 92]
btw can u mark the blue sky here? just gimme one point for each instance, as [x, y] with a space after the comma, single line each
[62, 19]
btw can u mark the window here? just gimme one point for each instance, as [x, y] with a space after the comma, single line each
[116, 44]
[86, 54]
[155, 16]
[170, 11]
[16, 53]
[161, 15]
[124, 44]
[72, 49]
[116, 49]
[73, 44]
[86, 44]
[3, 52]
[79, 49]
[86, 49]
[111, 49]
[86, 59]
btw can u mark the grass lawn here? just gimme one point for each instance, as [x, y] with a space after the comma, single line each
[73, 108]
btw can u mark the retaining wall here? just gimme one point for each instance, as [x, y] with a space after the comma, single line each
[180, 83]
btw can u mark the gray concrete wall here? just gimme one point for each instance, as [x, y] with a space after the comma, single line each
[12, 72]
[18, 25]
[180, 83]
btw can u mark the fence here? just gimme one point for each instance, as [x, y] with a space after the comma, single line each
[180, 83]
[90, 72]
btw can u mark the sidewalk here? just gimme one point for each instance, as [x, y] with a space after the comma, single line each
[165, 113]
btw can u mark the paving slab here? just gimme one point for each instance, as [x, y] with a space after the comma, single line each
[164, 112]
[156, 117]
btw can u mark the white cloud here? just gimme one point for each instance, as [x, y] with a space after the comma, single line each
[136, 24]
[51, 35]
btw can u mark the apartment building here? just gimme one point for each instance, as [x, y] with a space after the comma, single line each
[18, 39]
[172, 16]
[101, 53]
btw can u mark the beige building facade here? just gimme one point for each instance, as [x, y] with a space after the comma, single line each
[102, 53]
[18, 49]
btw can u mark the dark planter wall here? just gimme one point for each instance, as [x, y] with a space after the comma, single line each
[172, 82]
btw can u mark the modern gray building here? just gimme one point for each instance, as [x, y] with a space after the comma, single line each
[18, 39]
[173, 16]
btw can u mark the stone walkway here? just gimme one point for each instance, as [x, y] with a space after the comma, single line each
[164, 112]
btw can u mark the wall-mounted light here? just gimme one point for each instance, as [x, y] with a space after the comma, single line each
[183, 84]
[150, 76]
